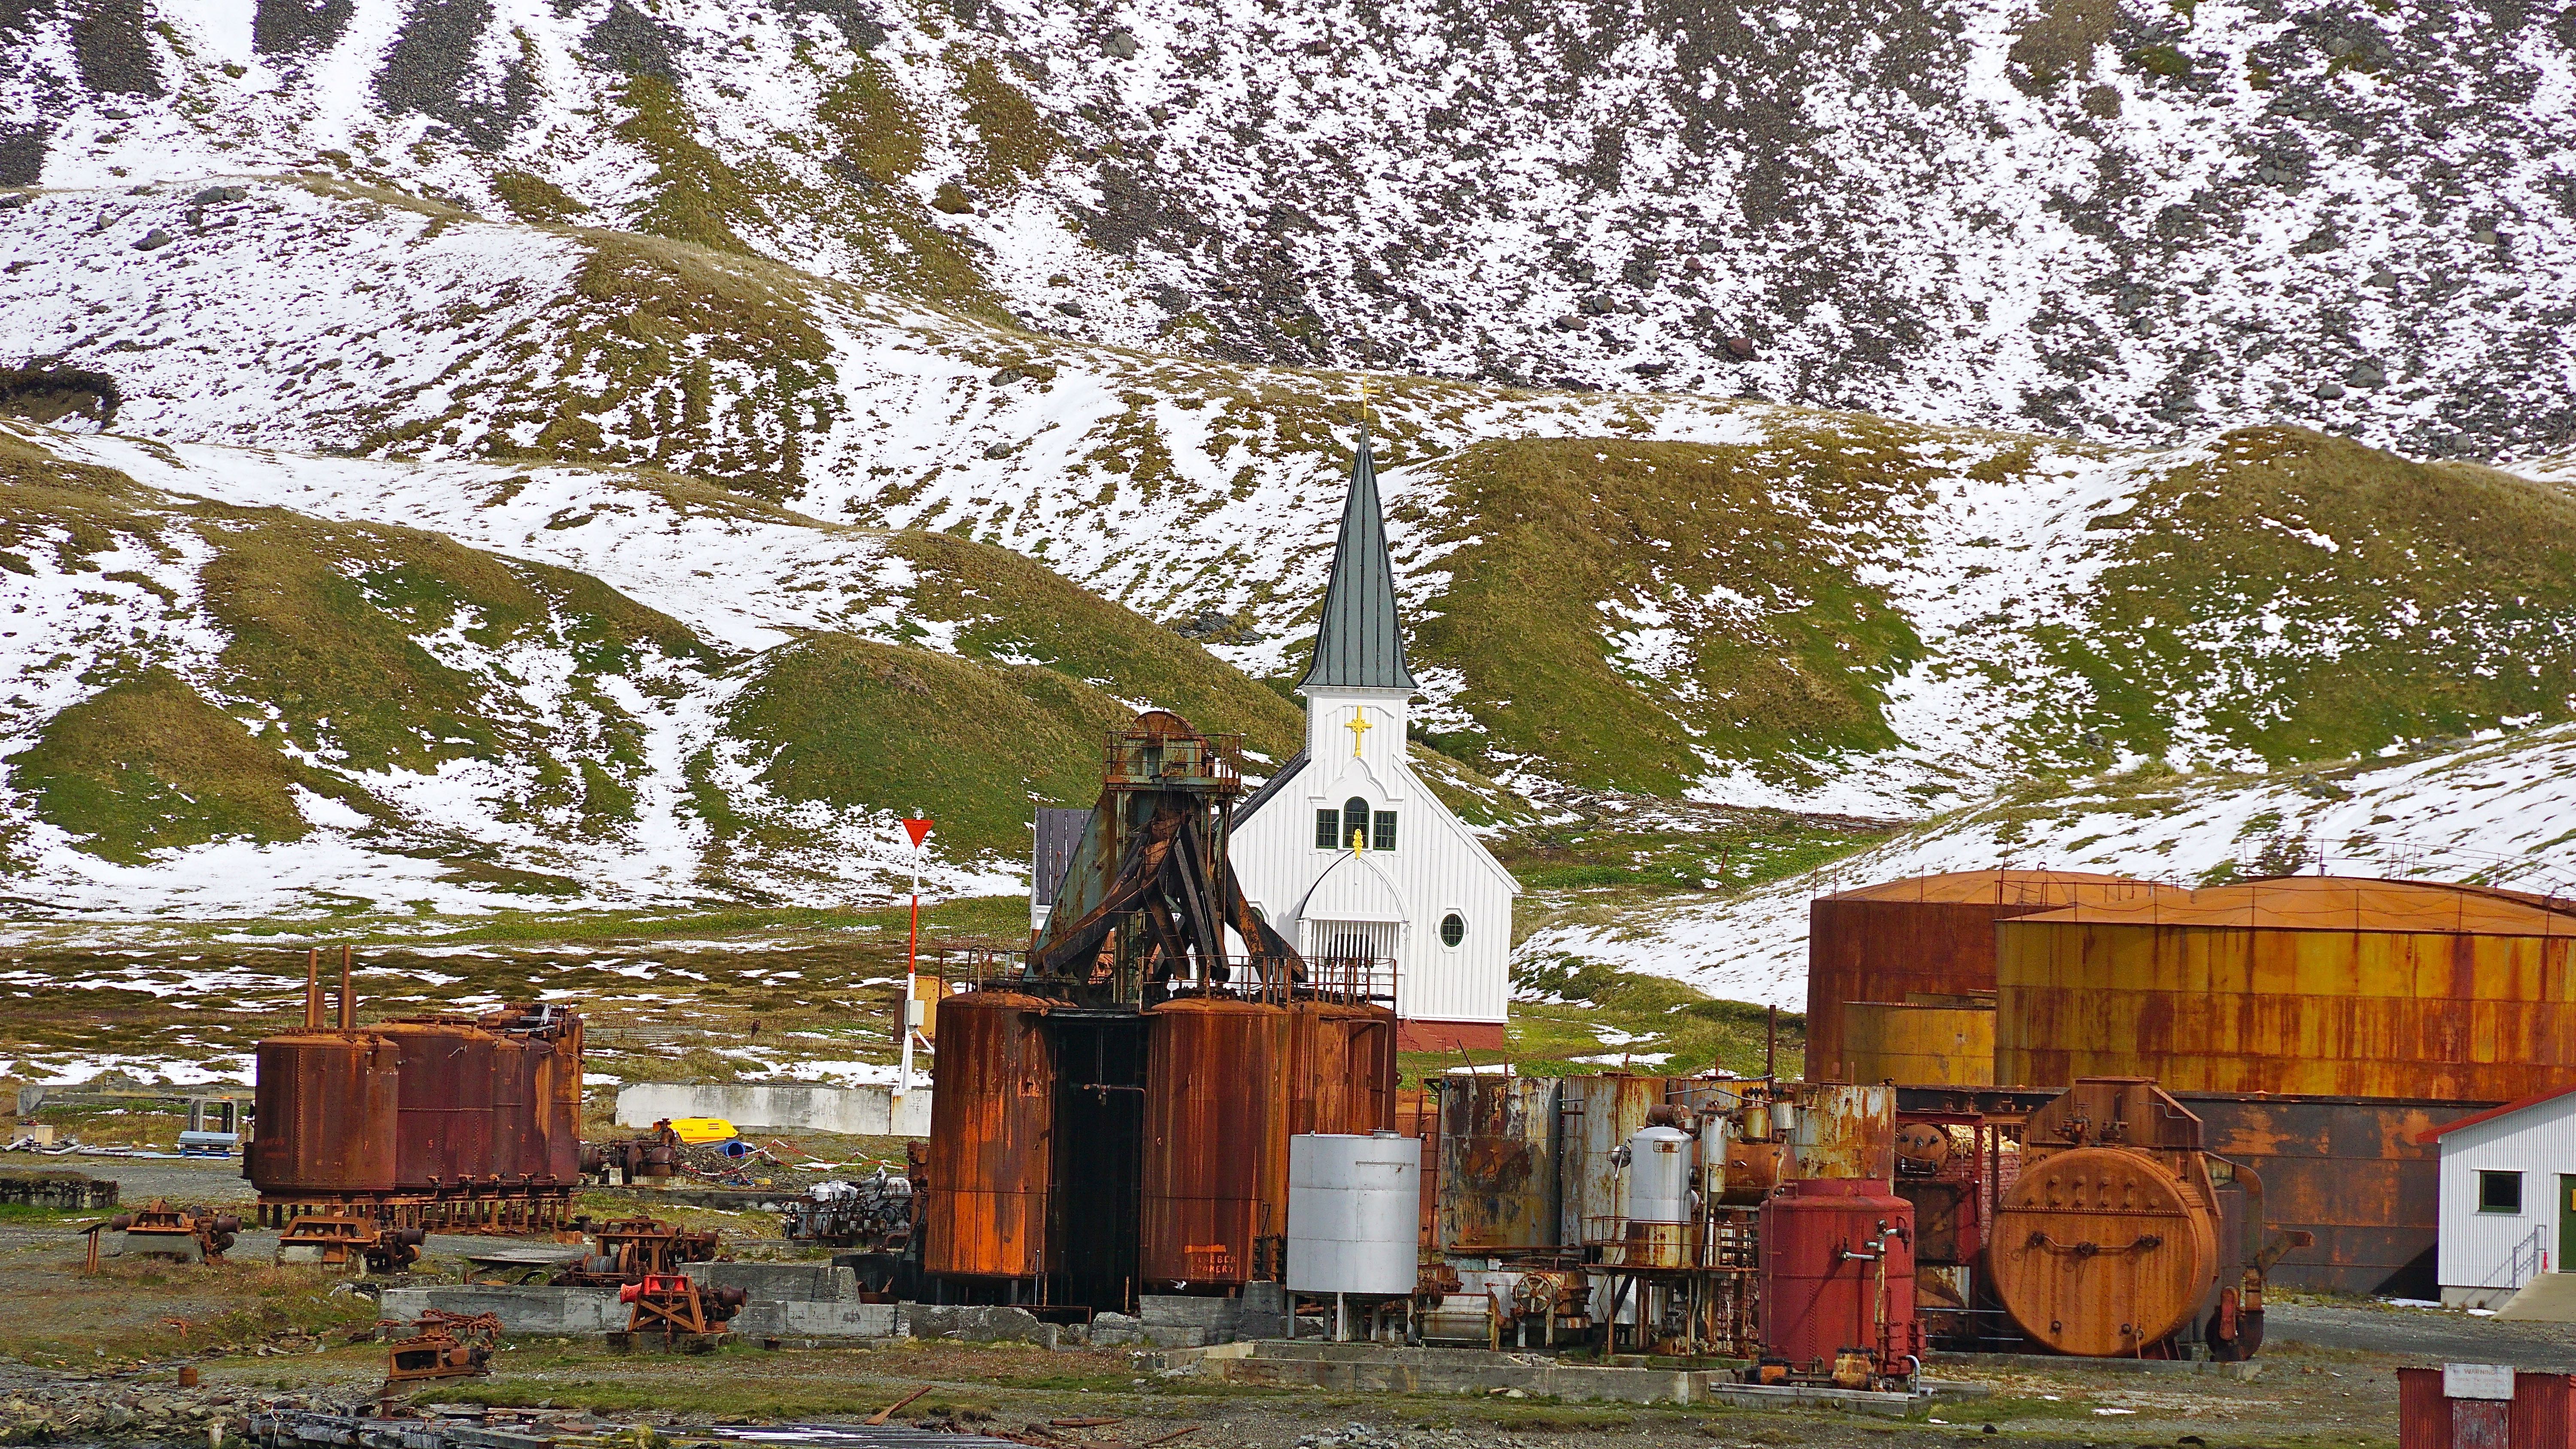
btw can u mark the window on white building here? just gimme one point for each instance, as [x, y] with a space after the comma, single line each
[1453, 929]
[1355, 822]
[2499, 1192]
[1328, 830]
[1382, 834]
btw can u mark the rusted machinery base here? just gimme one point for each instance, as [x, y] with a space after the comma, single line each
[658, 1342]
[480, 1210]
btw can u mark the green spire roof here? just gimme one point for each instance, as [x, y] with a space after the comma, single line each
[1360, 645]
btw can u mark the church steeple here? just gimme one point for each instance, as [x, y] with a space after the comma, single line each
[1360, 644]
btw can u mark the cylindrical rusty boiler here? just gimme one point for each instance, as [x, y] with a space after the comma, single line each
[556, 1088]
[1838, 1274]
[1214, 1202]
[2108, 1241]
[326, 1103]
[1499, 1141]
[2102, 1251]
[518, 1148]
[992, 1126]
[1930, 935]
[1343, 1068]
[443, 1134]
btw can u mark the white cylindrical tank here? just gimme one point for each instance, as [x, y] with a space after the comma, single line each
[1354, 1213]
[1659, 1164]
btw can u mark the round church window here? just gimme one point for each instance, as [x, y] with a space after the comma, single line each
[1453, 929]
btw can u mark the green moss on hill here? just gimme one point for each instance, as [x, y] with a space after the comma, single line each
[2304, 597]
[854, 725]
[696, 196]
[146, 765]
[1729, 569]
[1011, 609]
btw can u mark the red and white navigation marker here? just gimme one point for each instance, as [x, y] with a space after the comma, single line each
[918, 828]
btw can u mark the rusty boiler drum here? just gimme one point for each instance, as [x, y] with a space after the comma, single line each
[2102, 1252]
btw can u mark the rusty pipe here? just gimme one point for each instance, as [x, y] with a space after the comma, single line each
[313, 988]
[348, 1001]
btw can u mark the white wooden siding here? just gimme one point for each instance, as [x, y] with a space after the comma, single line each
[2539, 1142]
[1437, 866]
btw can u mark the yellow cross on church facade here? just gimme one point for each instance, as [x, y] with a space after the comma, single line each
[1358, 726]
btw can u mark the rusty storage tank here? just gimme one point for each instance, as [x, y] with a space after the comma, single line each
[556, 1088]
[1838, 1274]
[992, 1127]
[1923, 1043]
[443, 1132]
[517, 1149]
[1931, 934]
[2311, 985]
[1417, 1115]
[1342, 1068]
[2355, 1173]
[2114, 1239]
[1214, 1200]
[326, 1105]
[1498, 1163]
[1598, 1114]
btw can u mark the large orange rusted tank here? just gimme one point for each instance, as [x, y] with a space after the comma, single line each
[992, 1127]
[325, 1104]
[2313, 985]
[1342, 1077]
[2114, 1237]
[1214, 1198]
[1930, 936]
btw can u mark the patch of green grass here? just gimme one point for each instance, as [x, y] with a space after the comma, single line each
[1013, 142]
[1561, 1006]
[146, 765]
[2307, 598]
[533, 198]
[1748, 637]
[877, 130]
[850, 724]
[696, 197]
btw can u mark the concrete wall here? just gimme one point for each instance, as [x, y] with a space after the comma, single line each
[532, 1310]
[776, 1107]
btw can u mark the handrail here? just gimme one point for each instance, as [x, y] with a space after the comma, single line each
[2534, 1248]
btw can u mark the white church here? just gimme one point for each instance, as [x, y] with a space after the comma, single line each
[1345, 850]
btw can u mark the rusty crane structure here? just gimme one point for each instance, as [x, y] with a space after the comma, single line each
[1112, 1112]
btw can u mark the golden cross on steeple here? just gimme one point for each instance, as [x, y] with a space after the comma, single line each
[1358, 726]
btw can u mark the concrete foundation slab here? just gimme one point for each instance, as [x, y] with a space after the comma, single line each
[779, 1107]
[532, 1310]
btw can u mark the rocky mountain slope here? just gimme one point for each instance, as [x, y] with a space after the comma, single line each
[2124, 219]
[624, 568]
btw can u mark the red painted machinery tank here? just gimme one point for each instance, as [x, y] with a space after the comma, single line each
[1217, 1104]
[326, 1103]
[443, 1135]
[1838, 1274]
[992, 1126]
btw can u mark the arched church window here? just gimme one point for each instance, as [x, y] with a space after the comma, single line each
[1453, 929]
[1355, 819]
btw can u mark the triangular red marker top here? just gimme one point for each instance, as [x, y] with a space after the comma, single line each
[918, 829]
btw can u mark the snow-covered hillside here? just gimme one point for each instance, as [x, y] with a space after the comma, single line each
[2499, 811]
[1831, 611]
[2121, 219]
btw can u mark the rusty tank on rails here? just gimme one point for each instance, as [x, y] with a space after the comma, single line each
[460, 1122]
[1115, 1118]
[1928, 940]
[2115, 1236]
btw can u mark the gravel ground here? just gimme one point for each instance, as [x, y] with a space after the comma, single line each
[183, 1180]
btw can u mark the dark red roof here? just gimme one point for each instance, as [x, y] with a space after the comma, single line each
[2426, 1139]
